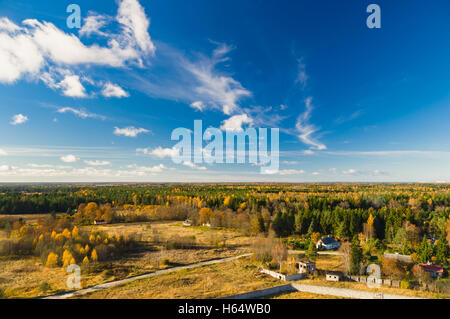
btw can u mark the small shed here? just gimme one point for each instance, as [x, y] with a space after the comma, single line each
[334, 276]
[99, 222]
[306, 267]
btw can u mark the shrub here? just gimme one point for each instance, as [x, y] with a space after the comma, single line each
[44, 287]
[165, 262]
[2, 294]
[405, 284]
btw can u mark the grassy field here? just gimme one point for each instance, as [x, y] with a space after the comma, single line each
[23, 276]
[213, 281]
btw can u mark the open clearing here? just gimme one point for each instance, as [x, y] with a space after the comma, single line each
[22, 276]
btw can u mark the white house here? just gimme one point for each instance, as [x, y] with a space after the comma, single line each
[327, 243]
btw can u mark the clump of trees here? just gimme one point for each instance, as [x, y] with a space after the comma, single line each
[59, 243]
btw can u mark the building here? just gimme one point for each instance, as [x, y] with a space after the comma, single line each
[328, 243]
[334, 276]
[99, 222]
[306, 267]
[433, 270]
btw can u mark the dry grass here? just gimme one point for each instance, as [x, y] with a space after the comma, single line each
[22, 277]
[213, 281]
[304, 295]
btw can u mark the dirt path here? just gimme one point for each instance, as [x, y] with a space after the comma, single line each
[128, 280]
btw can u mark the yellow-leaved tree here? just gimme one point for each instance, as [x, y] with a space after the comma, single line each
[75, 232]
[94, 256]
[52, 260]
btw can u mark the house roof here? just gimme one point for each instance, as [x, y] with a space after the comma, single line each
[328, 240]
[432, 268]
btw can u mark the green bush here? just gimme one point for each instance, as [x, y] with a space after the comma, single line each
[45, 286]
[2, 294]
[165, 262]
[405, 284]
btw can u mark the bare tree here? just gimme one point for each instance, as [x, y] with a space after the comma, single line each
[345, 250]
[279, 253]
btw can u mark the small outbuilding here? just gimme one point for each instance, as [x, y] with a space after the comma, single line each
[306, 267]
[334, 276]
[99, 222]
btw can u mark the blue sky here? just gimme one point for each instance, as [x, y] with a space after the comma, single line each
[98, 104]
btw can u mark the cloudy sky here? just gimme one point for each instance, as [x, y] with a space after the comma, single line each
[99, 103]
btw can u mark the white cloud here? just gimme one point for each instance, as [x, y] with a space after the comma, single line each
[29, 49]
[390, 153]
[97, 163]
[5, 168]
[129, 131]
[308, 152]
[236, 122]
[306, 130]
[218, 91]
[80, 113]
[113, 90]
[72, 87]
[92, 25]
[284, 172]
[19, 54]
[18, 119]
[315, 173]
[193, 166]
[159, 152]
[198, 105]
[356, 172]
[69, 158]
[135, 24]
[79, 173]
[3, 152]
[8, 26]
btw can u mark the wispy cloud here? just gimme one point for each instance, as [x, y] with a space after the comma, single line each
[391, 153]
[216, 90]
[194, 166]
[284, 172]
[198, 82]
[69, 158]
[82, 113]
[129, 131]
[159, 152]
[348, 118]
[306, 130]
[302, 76]
[357, 172]
[97, 163]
